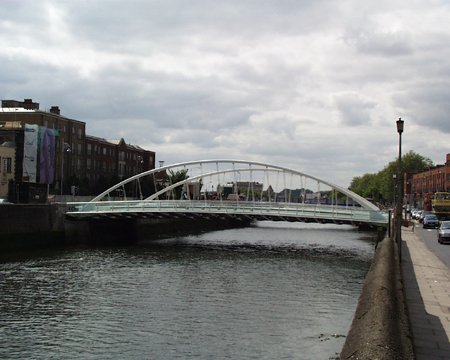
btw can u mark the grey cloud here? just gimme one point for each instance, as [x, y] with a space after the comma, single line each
[354, 109]
[291, 82]
[382, 43]
[428, 105]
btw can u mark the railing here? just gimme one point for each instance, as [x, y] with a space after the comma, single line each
[288, 211]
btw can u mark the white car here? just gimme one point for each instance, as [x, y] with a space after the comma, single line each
[444, 232]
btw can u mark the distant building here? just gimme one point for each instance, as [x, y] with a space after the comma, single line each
[87, 163]
[7, 166]
[420, 185]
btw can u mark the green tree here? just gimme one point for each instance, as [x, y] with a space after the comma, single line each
[175, 177]
[381, 186]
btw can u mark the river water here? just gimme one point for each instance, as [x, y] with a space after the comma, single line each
[272, 291]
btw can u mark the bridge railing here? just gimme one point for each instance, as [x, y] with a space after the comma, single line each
[251, 209]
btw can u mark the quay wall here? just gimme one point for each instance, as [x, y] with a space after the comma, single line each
[41, 225]
[380, 328]
[31, 225]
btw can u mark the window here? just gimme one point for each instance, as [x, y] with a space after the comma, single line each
[89, 149]
[88, 164]
[7, 165]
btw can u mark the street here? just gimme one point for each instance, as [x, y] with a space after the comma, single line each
[429, 237]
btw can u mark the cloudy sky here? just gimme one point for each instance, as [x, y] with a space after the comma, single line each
[312, 85]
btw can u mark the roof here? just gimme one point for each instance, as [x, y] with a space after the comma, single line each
[17, 109]
[115, 142]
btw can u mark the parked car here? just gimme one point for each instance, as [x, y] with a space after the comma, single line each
[423, 214]
[444, 232]
[430, 221]
[416, 214]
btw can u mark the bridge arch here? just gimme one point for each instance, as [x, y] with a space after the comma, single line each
[215, 168]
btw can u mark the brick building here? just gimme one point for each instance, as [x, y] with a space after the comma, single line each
[87, 162]
[418, 186]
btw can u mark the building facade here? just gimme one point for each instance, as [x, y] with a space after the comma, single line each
[421, 186]
[86, 163]
[7, 166]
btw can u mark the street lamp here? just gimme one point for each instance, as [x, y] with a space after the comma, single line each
[400, 124]
[64, 148]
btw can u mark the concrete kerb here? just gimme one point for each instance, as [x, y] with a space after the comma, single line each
[380, 327]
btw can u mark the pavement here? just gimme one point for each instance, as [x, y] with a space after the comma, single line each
[427, 292]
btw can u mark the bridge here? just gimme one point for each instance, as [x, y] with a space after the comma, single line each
[229, 188]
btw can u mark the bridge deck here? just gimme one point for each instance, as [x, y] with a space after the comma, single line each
[253, 210]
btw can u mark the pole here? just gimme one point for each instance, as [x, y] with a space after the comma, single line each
[62, 167]
[400, 189]
[65, 147]
[400, 197]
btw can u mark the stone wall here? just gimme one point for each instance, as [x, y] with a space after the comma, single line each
[31, 225]
[380, 327]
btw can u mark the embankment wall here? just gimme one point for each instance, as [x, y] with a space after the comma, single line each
[40, 225]
[380, 327]
[24, 225]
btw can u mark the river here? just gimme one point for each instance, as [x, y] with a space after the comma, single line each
[272, 291]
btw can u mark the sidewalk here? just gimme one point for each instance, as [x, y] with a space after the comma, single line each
[427, 291]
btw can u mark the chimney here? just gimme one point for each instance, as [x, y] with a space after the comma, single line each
[55, 110]
[161, 163]
[29, 104]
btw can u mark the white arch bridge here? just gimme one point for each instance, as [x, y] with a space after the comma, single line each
[230, 188]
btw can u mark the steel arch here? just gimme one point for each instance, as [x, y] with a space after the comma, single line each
[365, 204]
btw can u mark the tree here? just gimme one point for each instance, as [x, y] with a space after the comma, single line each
[381, 186]
[367, 186]
[175, 177]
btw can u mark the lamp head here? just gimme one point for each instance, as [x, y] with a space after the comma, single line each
[400, 123]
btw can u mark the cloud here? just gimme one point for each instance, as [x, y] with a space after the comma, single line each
[354, 109]
[314, 85]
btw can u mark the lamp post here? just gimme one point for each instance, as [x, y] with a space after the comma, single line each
[139, 162]
[64, 148]
[400, 124]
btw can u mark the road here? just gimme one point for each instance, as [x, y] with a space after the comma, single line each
[429, 236]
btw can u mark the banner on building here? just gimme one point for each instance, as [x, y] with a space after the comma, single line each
[30, 150]
[39, 154]
[47, 155]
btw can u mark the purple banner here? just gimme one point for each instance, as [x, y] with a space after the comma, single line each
[47, 156]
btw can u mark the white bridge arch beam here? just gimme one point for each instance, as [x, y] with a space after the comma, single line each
[365, 204]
